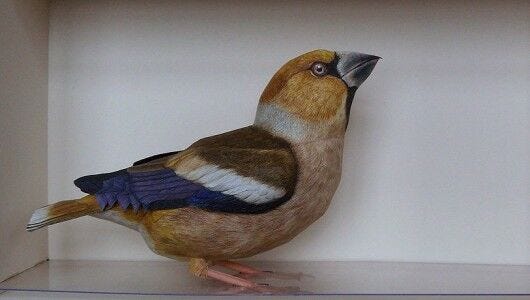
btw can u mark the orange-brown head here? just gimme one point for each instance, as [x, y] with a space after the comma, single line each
[312, 93]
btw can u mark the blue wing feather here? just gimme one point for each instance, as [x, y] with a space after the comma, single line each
[161, 189]
[93, 183]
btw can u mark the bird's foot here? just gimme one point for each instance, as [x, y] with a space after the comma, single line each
[248, 272]
[231, 279]
[200, 268]
[261, 289]
[243, 285]
[241, 281]
[238, 267]
[276, 275]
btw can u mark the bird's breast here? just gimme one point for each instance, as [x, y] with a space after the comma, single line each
[319, 173]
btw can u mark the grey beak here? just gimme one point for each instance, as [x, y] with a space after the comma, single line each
[355, 67]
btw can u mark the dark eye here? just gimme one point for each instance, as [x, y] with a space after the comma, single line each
[319, 69]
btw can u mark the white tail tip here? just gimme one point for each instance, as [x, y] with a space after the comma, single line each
[37, 218]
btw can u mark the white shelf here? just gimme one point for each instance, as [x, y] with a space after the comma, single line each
[167, 278]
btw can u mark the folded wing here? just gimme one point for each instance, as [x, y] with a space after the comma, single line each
[217, 174]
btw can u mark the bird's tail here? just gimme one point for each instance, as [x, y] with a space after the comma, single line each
[62, 211]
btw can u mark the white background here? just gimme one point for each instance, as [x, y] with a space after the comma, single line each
[436, 163]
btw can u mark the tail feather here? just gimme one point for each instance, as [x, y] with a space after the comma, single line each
[62, 211]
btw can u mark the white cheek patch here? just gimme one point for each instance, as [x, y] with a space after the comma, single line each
[231, 183]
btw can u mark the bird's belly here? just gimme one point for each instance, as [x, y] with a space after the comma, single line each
[192, 232]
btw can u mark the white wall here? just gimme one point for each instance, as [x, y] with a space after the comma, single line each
[23, 114]
[436, 166]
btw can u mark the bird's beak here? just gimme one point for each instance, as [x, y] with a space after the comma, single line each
[355, 67]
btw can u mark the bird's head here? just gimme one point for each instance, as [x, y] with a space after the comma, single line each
[311, 95]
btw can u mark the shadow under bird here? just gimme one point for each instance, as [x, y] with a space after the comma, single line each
[239, 193]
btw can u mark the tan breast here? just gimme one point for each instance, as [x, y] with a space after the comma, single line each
[192, 232]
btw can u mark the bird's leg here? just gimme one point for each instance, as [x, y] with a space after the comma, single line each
[248, 271]
[199, 267]
[239, 267]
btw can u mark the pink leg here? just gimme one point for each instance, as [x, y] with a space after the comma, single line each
[230, 279]
[248, 271]
[200, 268]
[241, 268]
[247, 284]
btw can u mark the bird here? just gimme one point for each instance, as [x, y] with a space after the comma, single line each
[239, 193]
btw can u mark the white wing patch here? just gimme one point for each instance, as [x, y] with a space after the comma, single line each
[231, 183]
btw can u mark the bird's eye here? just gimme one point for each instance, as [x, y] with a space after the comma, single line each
[319, 69]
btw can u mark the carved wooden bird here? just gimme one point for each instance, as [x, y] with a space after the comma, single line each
[239, 193]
